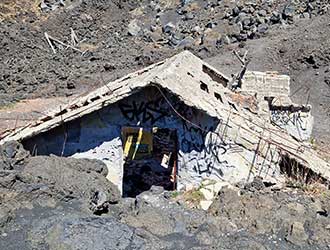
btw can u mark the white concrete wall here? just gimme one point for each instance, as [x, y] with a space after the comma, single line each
[204, 149]
[299, 124]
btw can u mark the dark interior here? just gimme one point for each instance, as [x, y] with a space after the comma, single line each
[159, 167]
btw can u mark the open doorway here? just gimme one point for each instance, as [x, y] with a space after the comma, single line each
[150, 159]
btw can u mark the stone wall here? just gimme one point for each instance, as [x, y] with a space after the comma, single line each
[267, 84]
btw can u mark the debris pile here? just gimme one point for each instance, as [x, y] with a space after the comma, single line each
[45, 179]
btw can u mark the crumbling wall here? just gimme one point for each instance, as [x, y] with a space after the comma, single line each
[205, 150]
[267, 84]
[273, 94]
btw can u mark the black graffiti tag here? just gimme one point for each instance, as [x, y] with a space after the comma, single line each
[151, 111]
[281, 117]
[208, 148]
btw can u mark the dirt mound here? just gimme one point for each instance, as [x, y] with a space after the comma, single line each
[26, 181]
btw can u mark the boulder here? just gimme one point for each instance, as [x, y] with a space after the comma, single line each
[276, 17]
[327, 80]
[256, 185]
[207, 193]
[83, 233]
[185, 2]
[169, 28]
[50, 5]
[133, 28]
[12, 155]
[296, 234]
[156, 35]
[211, 38]
[241, 37]
[176, 39]
[188, 16]
[235, 11]
[288, 11]
[71, 178]
[205, 204]
[262, 13]
[187, 42]
[262, 28]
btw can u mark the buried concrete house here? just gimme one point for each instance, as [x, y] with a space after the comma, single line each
[173, 124]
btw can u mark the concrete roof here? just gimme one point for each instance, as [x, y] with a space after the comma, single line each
[181, 75]
[198, 85]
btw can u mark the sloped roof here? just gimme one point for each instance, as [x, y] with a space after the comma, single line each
[198, 85]
[183, 75]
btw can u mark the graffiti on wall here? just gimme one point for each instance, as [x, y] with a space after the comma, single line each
[298, 124]
[207, 149]
[204, 149]
[154, 109]
[194, 137]
[288, 118]
[150, 111]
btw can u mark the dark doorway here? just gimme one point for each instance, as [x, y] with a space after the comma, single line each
[150, 159]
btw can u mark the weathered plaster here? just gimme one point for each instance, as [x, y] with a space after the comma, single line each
[267, 84]
[204, 150]
[299, 124]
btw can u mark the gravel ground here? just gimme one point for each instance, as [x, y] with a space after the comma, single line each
[62, 203]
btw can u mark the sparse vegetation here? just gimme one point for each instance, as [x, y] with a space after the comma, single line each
[193, 197]
[7, 106]
[313, 189]
[174, 194]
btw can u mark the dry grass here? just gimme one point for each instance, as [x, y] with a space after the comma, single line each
[8, 106]
[316, 189]
[323, 150]
[192, 198]
[87, 47]
[310, 189]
